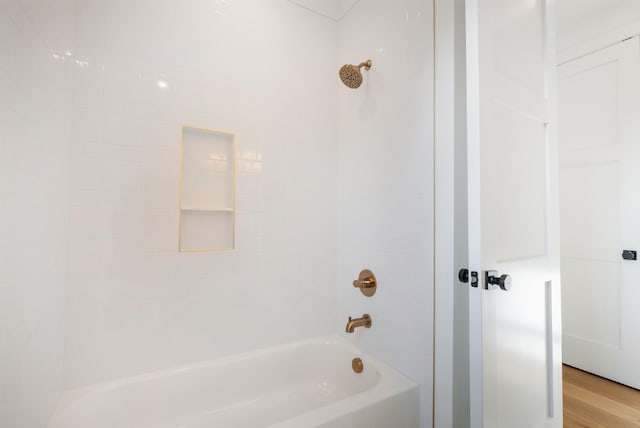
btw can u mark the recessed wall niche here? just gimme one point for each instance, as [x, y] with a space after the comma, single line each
[207, 190]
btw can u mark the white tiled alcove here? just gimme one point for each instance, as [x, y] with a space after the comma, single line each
[207, 190]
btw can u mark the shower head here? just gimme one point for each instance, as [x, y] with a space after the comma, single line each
[351, 75]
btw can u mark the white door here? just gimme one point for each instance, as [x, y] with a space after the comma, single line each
[513, 214]
[599, 140]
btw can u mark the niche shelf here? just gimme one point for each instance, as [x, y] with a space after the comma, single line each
[189, 208]
[207, 190]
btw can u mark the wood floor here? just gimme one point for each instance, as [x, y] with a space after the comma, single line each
[593, 402]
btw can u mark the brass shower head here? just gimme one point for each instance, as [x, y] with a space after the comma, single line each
[351, 75]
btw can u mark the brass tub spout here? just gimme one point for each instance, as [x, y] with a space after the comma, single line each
[353, 323]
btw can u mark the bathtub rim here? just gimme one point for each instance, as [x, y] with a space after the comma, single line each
[390, 382]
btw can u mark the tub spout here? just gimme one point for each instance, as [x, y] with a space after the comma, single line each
[353, 323]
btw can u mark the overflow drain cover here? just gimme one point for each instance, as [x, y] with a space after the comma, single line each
[357, 365]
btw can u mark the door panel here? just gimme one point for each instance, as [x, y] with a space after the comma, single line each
[519, 38]
[598, 282]
[586, 123]
[521, 398]
[520, 155]
[513, 211]
[599, 104]
[590, 211]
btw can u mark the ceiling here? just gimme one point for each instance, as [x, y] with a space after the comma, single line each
[334, 9]
[570, 12]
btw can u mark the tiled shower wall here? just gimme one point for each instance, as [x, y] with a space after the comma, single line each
[386, 184]
[35, 115]
[313, 181]
[262, 69]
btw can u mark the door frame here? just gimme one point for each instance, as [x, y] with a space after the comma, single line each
[450, 125]
[452, 66]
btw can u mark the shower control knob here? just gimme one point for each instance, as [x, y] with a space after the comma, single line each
[366, 282]
[493, 281]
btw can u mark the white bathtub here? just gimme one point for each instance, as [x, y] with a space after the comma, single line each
[299, 385]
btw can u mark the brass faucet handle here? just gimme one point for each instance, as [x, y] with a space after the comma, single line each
[366, 282]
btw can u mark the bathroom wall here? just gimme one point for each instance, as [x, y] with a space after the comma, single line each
[263, 69]
[35, 113]
[587, 26]
[386, 184]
